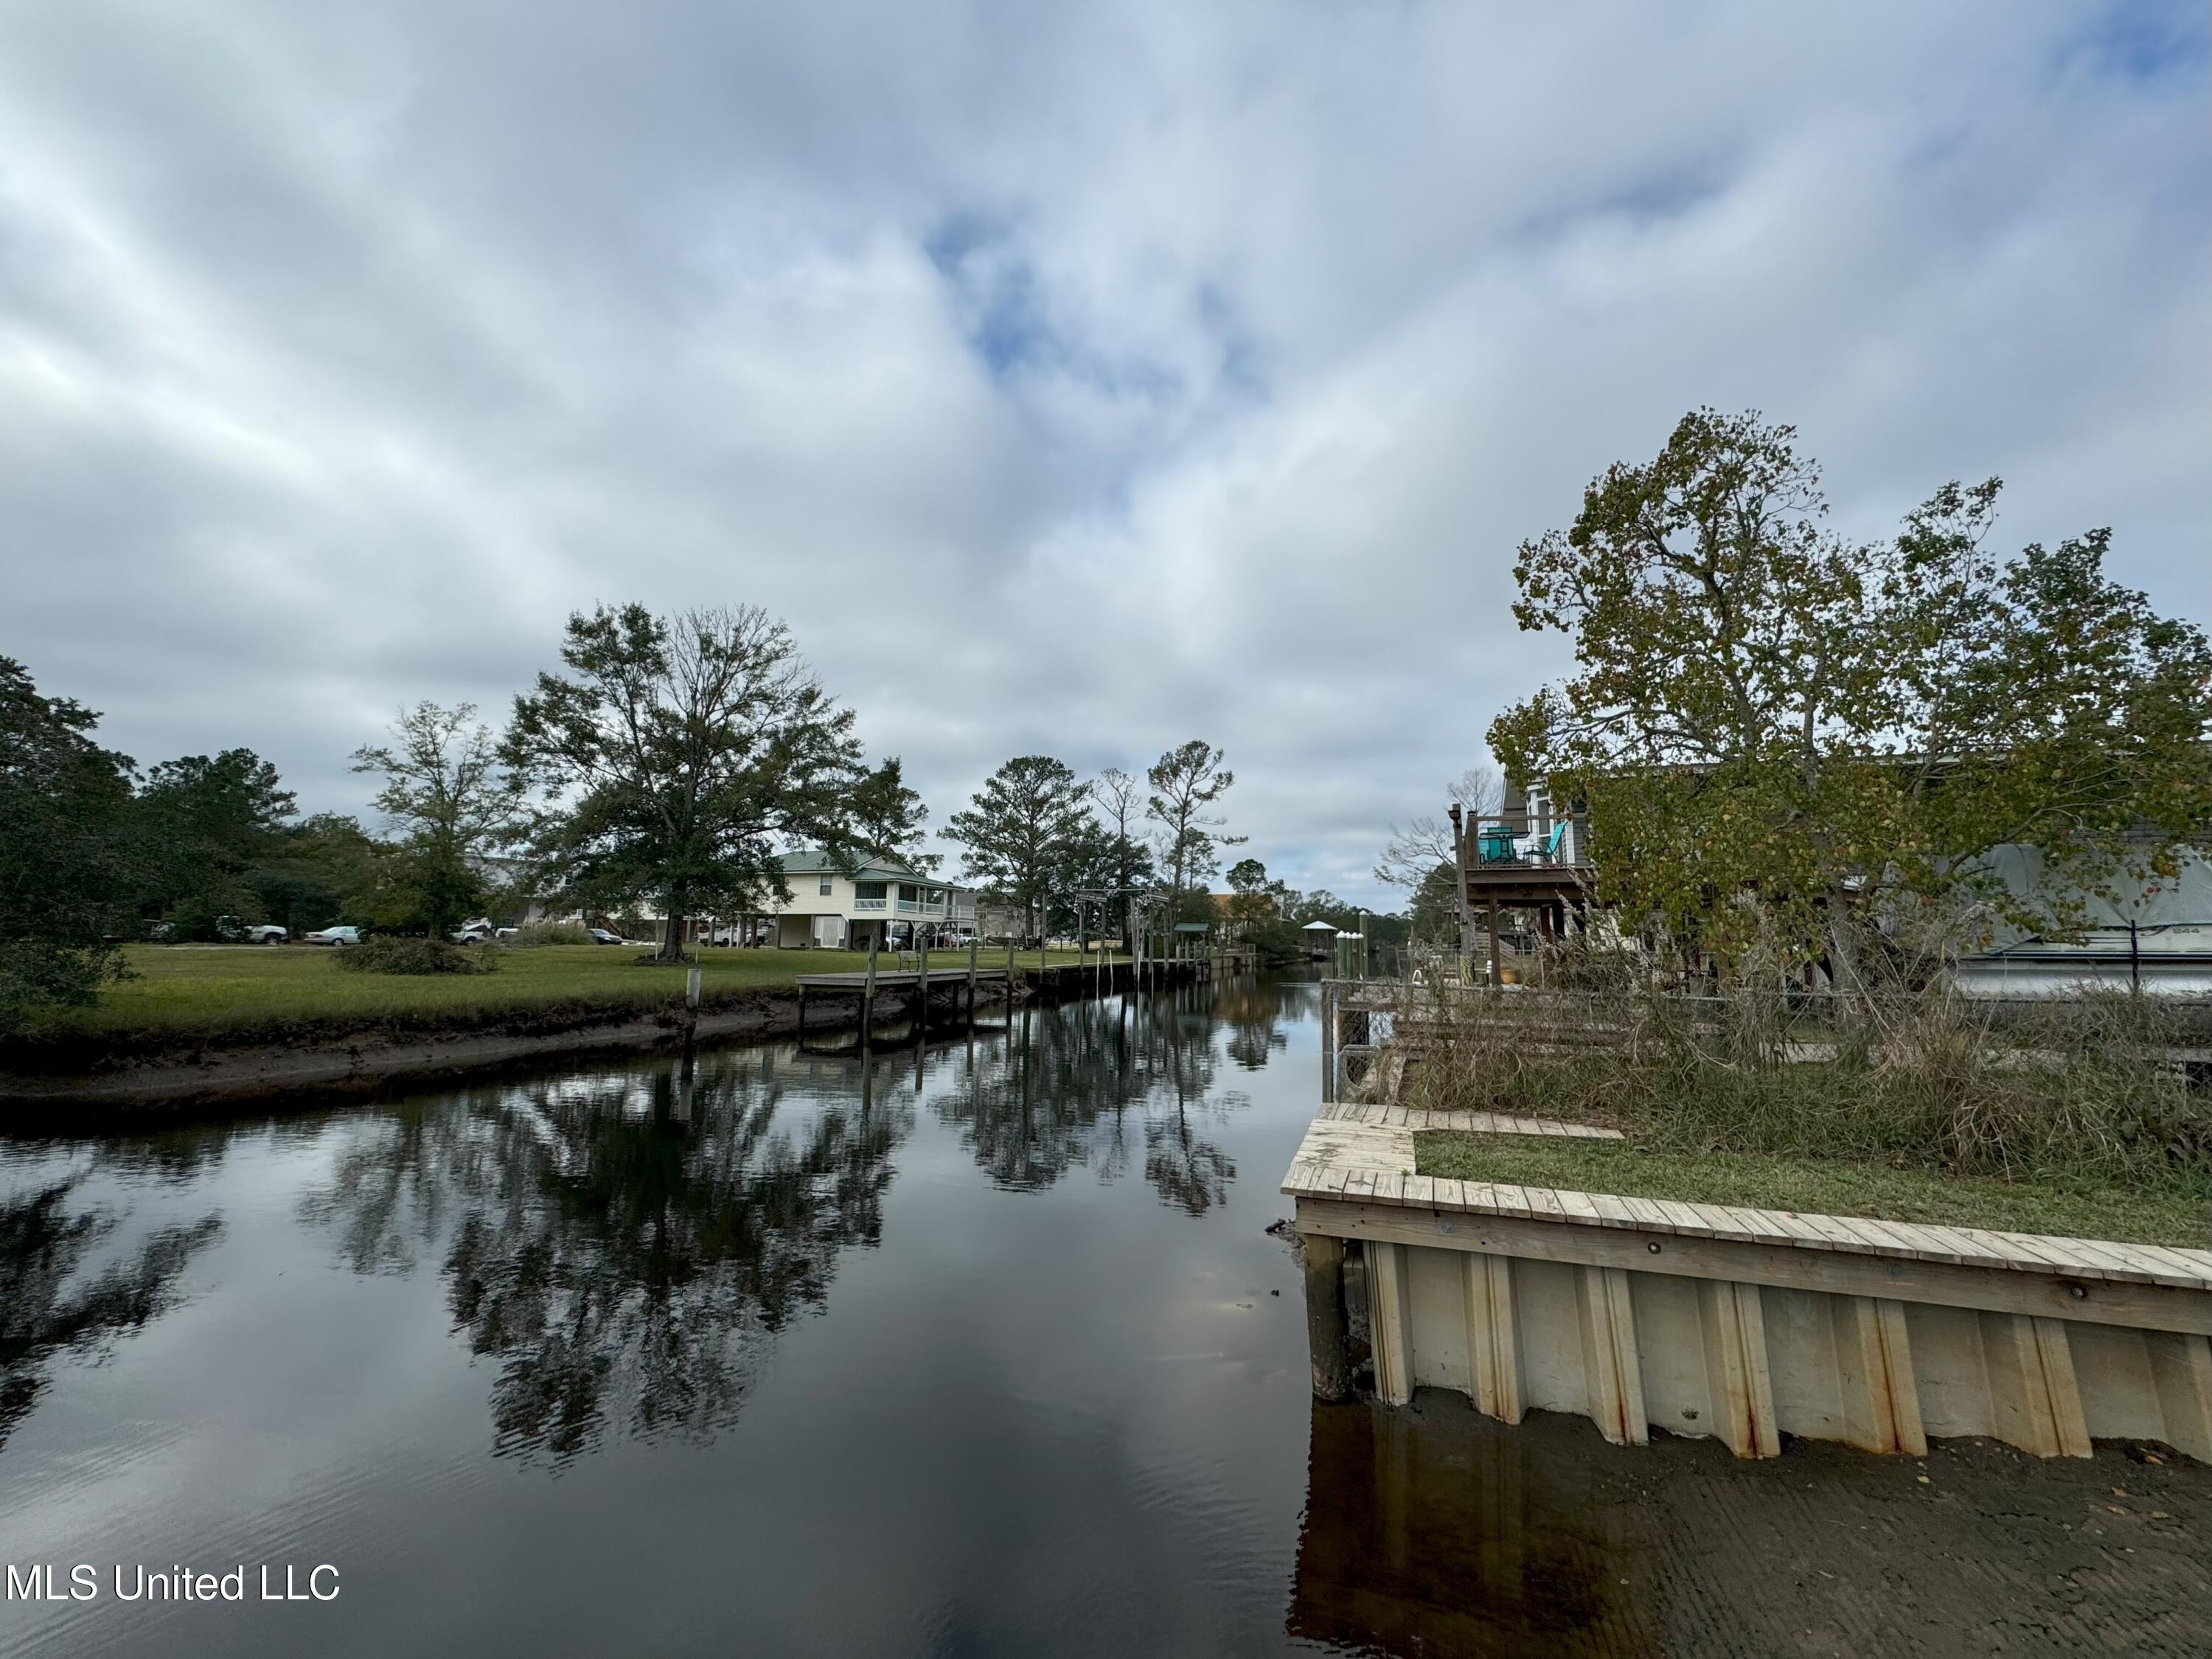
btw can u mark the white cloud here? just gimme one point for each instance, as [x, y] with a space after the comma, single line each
[1072, 380]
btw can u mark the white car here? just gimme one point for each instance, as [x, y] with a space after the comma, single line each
[339, 936]
[268, 932]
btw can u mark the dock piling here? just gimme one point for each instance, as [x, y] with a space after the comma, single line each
[691, 1019]
[1328, 1331]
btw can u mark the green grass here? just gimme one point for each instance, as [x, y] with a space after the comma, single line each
[245, 993]
[2081, 1207]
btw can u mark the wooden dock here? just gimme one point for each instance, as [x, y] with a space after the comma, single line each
[970, 981]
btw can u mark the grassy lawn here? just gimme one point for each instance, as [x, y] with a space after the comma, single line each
[2085, 1206]
[244, 991]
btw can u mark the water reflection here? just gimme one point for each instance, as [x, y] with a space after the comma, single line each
[1069, 1084]
[44, 1243]
[625, 1246]
[1440, 1532]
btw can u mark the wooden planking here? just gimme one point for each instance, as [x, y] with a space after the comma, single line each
[1343, 1159]
[1647, 1215]
[1390, 1328]
[2048, 1293]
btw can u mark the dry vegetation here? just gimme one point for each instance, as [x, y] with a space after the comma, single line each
[2060, 1102]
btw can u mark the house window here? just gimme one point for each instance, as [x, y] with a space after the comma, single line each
[909, 892]
[825, 883]
[869, 890]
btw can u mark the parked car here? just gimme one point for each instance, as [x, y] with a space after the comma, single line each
[231, 931]
[601, 936]
[475, 932]
[333, 936]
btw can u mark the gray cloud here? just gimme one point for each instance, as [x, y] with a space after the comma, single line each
[1076, 379]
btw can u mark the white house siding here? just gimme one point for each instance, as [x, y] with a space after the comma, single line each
[829, 909]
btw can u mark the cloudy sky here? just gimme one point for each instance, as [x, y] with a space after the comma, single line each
[1075, 380]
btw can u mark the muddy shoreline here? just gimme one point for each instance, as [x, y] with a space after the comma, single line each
[128, 1088]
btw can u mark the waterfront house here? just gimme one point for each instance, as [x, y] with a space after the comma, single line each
[832, 909]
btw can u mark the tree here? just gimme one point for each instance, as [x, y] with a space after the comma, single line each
[1018, 828]
[206, 822]
[1322, 905]
[1436, 905]
[322, 870]
[1185, 781]
[1118, 798]
[73, 857]
[1786, 740]
[444, 795]
[1412, 853]
[1254, 896]
[676, 752]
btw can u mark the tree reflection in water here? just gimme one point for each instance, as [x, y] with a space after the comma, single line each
[43, 1245]
[625, 1246]
[1062, 1090]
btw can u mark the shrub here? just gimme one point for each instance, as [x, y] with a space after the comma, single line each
[551, 933]
[386, 954]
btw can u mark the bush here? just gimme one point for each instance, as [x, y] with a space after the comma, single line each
[415, 956]
[35, 975]
[551, 933]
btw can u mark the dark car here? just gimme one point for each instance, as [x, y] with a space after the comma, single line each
[601, 936]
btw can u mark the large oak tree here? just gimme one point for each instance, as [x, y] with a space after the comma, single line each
[677, 754]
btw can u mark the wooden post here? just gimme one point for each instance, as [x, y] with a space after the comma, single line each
[922, 982]
[868, 992]
[1462, 924]
[1490, 915]
[1327, 1339]
[974, 946]
[1009, 975]
[1327, 1042]
[691, 1017]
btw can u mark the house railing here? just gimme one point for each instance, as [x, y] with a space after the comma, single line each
[1492, 841]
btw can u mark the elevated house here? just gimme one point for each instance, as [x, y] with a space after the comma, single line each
[1526, 870]
[832, 909]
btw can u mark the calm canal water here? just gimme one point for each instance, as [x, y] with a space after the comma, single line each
[982, 1348]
